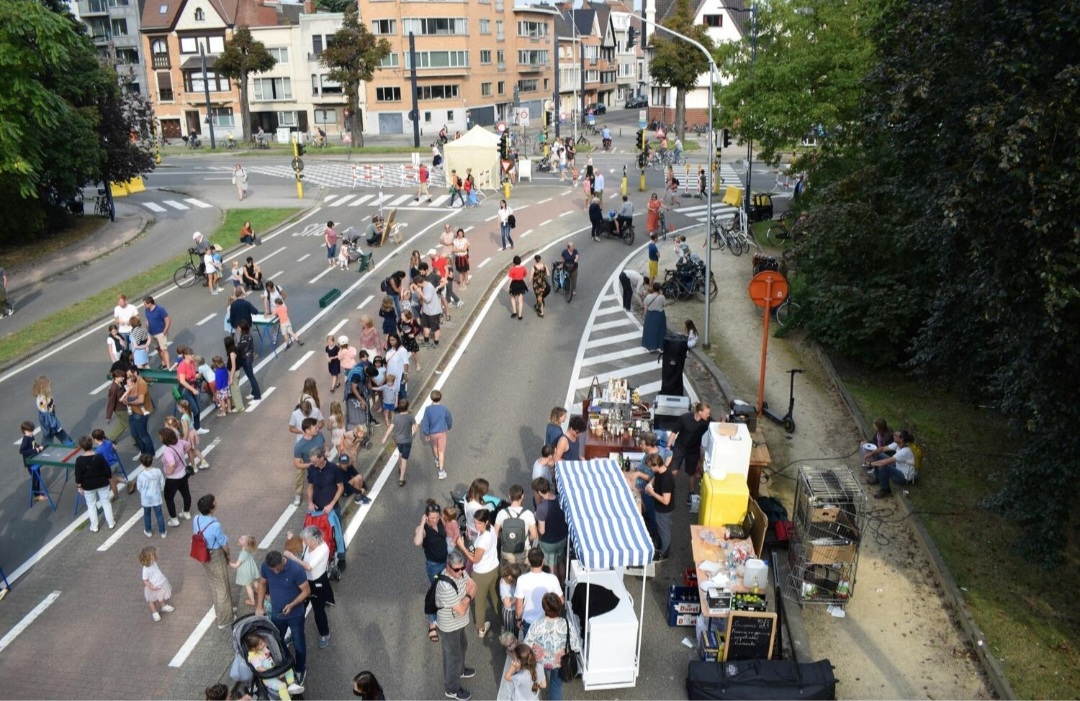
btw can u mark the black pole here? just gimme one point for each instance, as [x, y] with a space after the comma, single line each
[206, 91]
[557, 102]
[581, 111]
[412, 81]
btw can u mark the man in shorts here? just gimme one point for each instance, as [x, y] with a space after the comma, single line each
[685, 444]
[551, 524]
[435, 424]
[430, 308]
[158, 322]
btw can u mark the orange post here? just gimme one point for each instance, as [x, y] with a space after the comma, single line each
[764, 345]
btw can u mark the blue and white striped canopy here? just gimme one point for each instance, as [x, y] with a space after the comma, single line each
[606, 527]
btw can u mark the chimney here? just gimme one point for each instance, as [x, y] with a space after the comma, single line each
[309, 7]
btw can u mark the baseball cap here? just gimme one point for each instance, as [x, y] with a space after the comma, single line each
[343, 458]
[342, 340]
[432, 252]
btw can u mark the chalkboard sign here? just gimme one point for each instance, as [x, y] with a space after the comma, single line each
[750, 636]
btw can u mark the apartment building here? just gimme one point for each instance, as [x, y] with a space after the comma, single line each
[628, 78]
[113, 26]
[475, 60]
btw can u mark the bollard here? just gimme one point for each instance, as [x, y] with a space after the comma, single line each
[506, 188]
[624, 189]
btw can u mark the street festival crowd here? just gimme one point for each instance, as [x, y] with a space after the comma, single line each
[506, 552]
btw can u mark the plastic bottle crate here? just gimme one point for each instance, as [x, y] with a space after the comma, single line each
[684, 605]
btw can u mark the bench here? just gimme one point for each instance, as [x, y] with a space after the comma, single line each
[328, 298]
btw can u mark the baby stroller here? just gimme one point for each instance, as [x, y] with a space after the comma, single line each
[242, 670]
[333, 536]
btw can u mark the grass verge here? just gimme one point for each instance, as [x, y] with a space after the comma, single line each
[1024, 611]
[75, 316]
[81, 227]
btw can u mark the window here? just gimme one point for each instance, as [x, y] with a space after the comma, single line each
[383, 26]
[485, 26]
[388, 94]
[436, 26]
[592, 76]
[316, 45]
[437, 92]
[119, 27]
[449, 115]
[485, 89]
[213, 45]
[713, 20]
[391, 60]
[439, 59]
[164, 84]
[325, 116]
[286, 119]
[485, 56]
[164, 9]
[499, 29]
[193, 82]
[222, 116]
[502, 88]
[159, 47]
[427, 117]
[533, 58]
[527, 85]
[99, 28]
[281, 55]
[267, 89]
[500, 57]
[127, 56]
[329, 87]
[200, 16]
[532, 29]
[546, 84]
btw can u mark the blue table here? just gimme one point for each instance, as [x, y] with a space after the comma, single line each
[267, 327]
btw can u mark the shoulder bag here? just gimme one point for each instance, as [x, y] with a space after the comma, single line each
[569, 667]
[199, 549]
[189, 469]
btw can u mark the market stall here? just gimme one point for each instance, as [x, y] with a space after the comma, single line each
[607, 535]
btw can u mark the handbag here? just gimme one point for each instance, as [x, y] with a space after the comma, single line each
[512, 221]
[199, 549]
[569, 668]
[189, 469]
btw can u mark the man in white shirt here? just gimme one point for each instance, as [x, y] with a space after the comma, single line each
[530, 591]
[122, 314]
[430, 308]
[598, 186]
[898, 467]
[632, 282]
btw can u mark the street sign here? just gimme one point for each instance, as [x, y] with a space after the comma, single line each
[562, 116]
[506, 165]
[523, 118]
[500, 127]
[642, 118]
[768, 289]
[297, 165]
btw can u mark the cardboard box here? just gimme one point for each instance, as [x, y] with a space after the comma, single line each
[828, 552]
[682, 620]
[709, 646]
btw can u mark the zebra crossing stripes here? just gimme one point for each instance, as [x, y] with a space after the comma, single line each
[177, 205]
[700, 213]
[385, 200]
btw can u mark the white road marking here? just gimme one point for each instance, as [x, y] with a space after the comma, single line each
[301, 258]
[189, 645]
[400, 200]
[608, 310]
[268, 257]
[366, 300]
[205, 319]
[361, 201]
[272, 534]
[617, 355]
[269, 390]
[493, 216]
[28, 619]
[330, 200]
[526, 233]
[543, 224]
[343, 200]
[438, 201]
[567, 213]
[177, 205]
[326, 270]
[302, 360]
[119, 532]
[198, 203]
[584, 382]
[602, 326]
[277, 274]
[98, 390]
[545, 201]
[337, 328]
[154, 207]
[483, 263]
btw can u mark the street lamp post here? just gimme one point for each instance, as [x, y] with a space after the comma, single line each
[750, 141]
[705, 341]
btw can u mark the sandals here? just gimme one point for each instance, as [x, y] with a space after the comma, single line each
[433, 634]
[401, 483]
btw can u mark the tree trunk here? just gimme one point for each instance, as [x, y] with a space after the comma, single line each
[680, 113]
[355, 122]
[245, 111]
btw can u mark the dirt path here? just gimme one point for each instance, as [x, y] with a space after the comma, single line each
[898, 639]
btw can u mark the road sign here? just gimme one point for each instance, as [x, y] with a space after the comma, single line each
[500, 127]
[297, 164]
[642, 118]
[506, 166]
[768, 289]
[562, 116]
[523, 117]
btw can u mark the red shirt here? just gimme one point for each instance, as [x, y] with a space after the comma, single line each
[423, 174]
[439, 264]
[518, 272]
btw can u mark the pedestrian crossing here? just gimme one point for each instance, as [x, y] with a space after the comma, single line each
[389, 200]
[700, 213]
[338, 174]
[174, 205]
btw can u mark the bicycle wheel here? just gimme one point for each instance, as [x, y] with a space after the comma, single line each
[778, 235]
[744, 242]
[713, 289]
[670, 289]
[733, 244]
[787, 314]
[101, 208]
[716, 241]
[582, 141]
[185, 276]
[628, 237]
[568, 289]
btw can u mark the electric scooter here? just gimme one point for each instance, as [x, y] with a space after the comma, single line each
[786, 420]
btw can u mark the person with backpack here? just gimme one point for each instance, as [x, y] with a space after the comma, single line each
[455, 189]
[431, 536]
[515, 527]
[449, 598]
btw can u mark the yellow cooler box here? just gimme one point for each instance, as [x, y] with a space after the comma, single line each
[723, 501]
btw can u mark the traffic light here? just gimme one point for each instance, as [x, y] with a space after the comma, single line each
[504, 147]
[300, 149]
[727, 138]
[639, 139]
[631, 35]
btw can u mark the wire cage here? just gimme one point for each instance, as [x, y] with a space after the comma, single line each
[829, 516]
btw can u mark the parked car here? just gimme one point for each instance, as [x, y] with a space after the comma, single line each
[596, 108]
[637, 102]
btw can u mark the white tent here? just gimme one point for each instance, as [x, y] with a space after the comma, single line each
[477, 149]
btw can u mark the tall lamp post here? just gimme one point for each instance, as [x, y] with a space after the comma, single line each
[749, 142]
[705, 342]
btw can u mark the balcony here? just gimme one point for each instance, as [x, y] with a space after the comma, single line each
[532, 67]
[160, 61]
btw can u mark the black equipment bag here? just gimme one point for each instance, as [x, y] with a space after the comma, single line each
[760, 680]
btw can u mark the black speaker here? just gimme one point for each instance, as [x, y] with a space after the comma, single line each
[672, 362]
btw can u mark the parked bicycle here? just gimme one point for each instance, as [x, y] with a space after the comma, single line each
[560, 280]
[782, 232]
[188, 273]
[688, 281]
[727, 233]
[101, 204]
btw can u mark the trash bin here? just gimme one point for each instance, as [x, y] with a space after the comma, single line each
[282, 135]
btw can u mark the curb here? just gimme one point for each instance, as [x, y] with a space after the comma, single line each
[954, 596]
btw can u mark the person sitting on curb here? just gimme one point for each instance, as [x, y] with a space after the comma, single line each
[898, 467]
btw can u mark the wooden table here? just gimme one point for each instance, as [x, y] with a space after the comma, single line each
[759, 458]
[703, 552]
[597, 447]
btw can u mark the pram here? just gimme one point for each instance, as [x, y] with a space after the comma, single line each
[242, 670]
[333, 536]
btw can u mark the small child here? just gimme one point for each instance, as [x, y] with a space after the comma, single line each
[282, 313]
[337, 426]
[524, 675]
[207, 374]
[28, 448]
[223, 393]
[450, 523]
[259, 657]
[402, 428]
[151, 486]
[213, 270]
[247, 572]
[369, 336]
[354, 481]
[236, 275]
[389, 392]
[343, 257]
[389, 317]
[508, 577]
[333, 363]
[156, 587]
[189, 434]
[105, 448]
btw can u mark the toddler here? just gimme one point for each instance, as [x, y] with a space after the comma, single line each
[207, 374]
[508, 577]
[151, 485]
[236, 276]
[337, 426]
[247, 572]
[282, 313]
[343, 257]
[105, 448]
[156, 587]
[222, 393]
[259, 657]
[389, 316]
[450, 523]
[389, 390]
[188, 433]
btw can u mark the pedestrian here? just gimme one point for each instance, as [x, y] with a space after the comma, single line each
[140, 406]
[5, 304]
[435, 424]
[515, 527]
[245, 354]
[239, 180]
[505, 213]
[444, 285]
[423, 177]
[598, 186]
[232, 361]
[115, 407]
[691, 333]
[286, 583]
[271, 293]
[662, 491]
[115, 343]
[354, 481]
[92, 477]
[518, 288]
[282, 314]
[531, 589]
[453, 593]
[333, 361]
[158, 323]
[685, 444]
[28, 448]
[483, 553]
[430, 535]
[366, 686]
[122, 314]
[631, 282]
[455, 187]
[105, 448]
[240, 309]
[397, 363]
[402, 428]
[410, 332]
[509, 572]
[310, 440]
[544, 466]
[548, 638]
[46, 407]
[330, 238]
[461, 258]
[586, 186]
[315, 564]
[213, 270]
[369, 336]
[217, 569]
[596, 218]
[523, 674]
[187, 375]
[174, 465]
[156, 588]
[222, 390]
[551, 525]
[655, 324]
[389, 315]
[140, 343]
[247, 236]
[247, 571]
[654, 254]
[567, 445]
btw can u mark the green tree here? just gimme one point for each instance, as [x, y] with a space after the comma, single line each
[244, 55]
[334, 5]
[352, 54]
[676, 63]
[802, 73]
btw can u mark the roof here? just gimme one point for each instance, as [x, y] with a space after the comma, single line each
[666, 8]
[251, 13]
[606, 528]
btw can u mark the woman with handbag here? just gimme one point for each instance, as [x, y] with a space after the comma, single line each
[461, 258]
[177, 470]
[505, 212]
[484, 556]
[655, 325]
[554, 642]
[315, 560]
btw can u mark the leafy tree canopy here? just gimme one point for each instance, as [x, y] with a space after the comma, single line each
[676, 63]
[352, 54]
[244, 55]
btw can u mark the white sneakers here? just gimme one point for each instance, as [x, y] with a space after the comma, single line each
[185, 515]
[172, 523]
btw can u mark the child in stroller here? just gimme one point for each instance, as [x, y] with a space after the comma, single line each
[263, 660]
